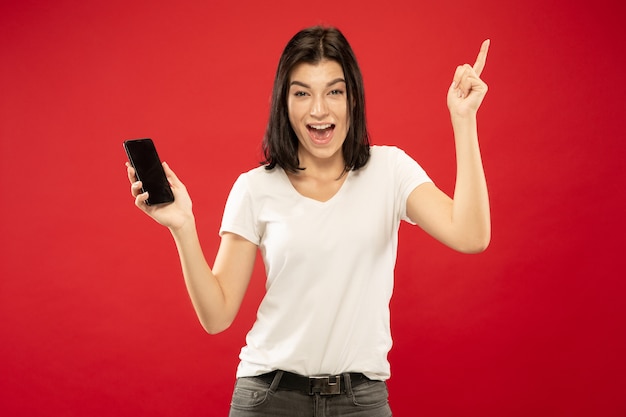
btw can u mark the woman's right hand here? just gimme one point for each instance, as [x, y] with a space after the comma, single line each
[172, 215]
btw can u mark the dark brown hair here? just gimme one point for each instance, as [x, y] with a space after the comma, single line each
[313, 45]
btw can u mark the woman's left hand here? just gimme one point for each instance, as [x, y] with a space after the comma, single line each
[467, 90]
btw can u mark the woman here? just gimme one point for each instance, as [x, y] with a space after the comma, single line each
[324, 212]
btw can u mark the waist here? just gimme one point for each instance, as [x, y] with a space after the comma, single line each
[326, 385]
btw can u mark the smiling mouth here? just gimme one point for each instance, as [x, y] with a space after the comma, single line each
[321, 133]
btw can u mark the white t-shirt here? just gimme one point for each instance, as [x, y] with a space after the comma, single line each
[329, 266]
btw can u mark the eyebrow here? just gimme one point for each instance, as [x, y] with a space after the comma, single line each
[333, 82]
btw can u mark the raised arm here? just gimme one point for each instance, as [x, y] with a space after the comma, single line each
[462, 222]
[216, 293]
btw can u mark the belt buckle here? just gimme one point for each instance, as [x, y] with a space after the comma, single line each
[327, 385]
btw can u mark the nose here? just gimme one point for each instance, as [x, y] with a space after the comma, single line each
[319, 107]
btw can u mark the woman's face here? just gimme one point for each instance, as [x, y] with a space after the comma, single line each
[318, 111]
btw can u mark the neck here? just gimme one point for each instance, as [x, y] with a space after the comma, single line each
[328, 168]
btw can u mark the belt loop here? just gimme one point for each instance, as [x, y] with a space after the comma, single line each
[348, 382]
[276, 381]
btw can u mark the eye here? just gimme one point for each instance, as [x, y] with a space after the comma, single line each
[336, 92]
[299, 94]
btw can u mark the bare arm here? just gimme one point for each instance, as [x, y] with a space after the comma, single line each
[216, 293]
[462, 222]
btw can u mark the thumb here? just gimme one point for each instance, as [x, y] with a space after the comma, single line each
[171, 176]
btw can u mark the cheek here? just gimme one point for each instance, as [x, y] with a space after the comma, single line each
[294, 112]
[341, 110]
[343, 115]
[292, 118]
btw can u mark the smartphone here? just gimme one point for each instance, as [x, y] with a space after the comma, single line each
[143, 157]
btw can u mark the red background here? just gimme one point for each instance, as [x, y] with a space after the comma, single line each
[94, 316]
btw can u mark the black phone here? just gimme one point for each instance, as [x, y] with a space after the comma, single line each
[143, 157]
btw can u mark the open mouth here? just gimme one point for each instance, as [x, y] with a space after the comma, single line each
[321, 133]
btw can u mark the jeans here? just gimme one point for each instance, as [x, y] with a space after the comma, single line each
[254, 398]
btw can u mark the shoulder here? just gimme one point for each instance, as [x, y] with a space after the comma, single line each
[260, 181]
[386, 154]
[386, 151]
[383, 165]
[396, 162]
[260, 174]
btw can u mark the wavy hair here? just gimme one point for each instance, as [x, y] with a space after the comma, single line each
[311, 46]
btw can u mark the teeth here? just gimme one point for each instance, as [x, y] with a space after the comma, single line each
[320, 127]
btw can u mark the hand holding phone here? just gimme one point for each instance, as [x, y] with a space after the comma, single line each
[143, 157]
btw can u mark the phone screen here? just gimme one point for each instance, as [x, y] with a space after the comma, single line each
[143, 157]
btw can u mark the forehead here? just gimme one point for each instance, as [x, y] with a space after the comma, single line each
[319, 73]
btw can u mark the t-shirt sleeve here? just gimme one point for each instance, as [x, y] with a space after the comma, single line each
[239, 217]
[409, 174]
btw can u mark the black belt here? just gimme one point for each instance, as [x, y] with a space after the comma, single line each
[327, 385]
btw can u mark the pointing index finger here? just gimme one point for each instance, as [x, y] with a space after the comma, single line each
[482, 57]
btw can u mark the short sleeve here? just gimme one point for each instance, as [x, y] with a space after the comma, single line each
[239, 217]
[409, 174]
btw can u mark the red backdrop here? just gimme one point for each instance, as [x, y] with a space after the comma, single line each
[94, 316]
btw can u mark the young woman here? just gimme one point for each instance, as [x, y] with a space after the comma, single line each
[324, 213]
